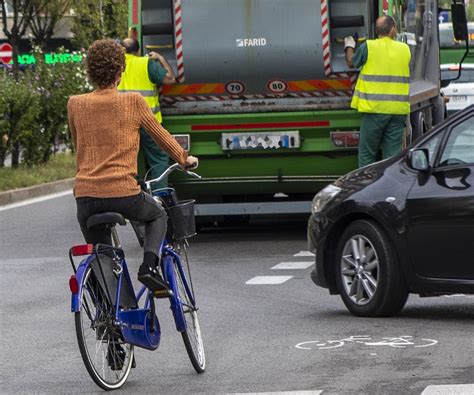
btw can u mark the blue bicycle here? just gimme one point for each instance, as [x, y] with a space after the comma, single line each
[110, 318]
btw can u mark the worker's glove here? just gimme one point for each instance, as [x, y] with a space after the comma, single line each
[349, 42]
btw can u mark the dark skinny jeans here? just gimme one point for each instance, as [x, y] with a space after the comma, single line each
[141, 208]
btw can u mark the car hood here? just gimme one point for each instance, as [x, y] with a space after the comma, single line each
[360, 178]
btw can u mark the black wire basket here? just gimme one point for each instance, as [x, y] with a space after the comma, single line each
[181, 221]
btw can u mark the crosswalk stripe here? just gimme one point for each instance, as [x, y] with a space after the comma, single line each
[268, 280]
[292, 265]
[456, 389]
[304, 253]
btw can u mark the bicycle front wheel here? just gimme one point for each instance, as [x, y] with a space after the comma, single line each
[192, 335]
[107, 358]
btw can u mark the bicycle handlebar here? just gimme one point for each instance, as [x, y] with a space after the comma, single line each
[167, 172]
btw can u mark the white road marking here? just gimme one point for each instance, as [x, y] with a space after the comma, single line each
[268, 280]
[20, 262]
[459, 296]
[395, 342]
[292, 265]
[35, 200]
[457, 389]
[304, 253]
[280, 393]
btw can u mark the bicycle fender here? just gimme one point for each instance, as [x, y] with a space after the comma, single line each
[81, 270]
[175, 303]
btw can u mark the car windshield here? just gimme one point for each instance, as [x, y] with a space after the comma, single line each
[446, 36]
[467, 75]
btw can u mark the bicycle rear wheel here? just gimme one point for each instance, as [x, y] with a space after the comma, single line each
[107, 358]
[192, 337]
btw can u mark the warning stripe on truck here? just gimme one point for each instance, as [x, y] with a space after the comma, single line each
[262, 125]
[326, 38]
[174, 99]
[178, 29]
[293, 86]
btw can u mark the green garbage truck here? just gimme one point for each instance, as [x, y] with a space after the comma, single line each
[263, 93]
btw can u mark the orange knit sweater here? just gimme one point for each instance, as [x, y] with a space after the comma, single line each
[105, 130]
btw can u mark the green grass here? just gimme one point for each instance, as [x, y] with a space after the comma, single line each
[60, 167]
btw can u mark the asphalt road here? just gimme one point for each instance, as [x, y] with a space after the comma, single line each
[291, 336]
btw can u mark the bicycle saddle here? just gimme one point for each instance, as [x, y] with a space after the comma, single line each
[109, 218]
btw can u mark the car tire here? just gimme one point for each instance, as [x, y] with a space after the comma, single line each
[368, 275]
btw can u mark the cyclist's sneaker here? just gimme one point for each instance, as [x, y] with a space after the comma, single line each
[151, 278]
[115, 355]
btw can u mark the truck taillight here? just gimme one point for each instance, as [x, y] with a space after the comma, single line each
[184, 140]
[345, 139]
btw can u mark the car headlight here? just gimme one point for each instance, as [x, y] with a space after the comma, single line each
[324, 197]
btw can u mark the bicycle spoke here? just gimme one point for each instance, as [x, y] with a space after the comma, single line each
[107, 359]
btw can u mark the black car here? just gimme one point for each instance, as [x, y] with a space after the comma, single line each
[403, 225]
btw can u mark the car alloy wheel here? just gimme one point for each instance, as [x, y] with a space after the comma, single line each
[360, 269]
[369, 276]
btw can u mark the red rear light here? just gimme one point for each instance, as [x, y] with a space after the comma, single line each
[84, 249]
[345, 139]
[73, 285]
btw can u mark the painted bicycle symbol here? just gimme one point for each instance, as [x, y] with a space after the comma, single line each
[395, 342]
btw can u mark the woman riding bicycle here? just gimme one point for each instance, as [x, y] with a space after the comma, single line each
[105, 126]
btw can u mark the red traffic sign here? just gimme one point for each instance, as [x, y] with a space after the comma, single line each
[5, 53]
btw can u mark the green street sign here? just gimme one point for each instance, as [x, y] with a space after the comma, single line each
[50, 58]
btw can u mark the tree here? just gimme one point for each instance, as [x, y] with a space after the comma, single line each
[19, 108]
[97, 19]
[45, 20]
[22, 11]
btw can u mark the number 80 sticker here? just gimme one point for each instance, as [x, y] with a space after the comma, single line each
[235, 88]
[277, 86]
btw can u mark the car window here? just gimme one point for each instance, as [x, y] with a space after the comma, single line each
[467, 75]
[431, 145]
[459, 148]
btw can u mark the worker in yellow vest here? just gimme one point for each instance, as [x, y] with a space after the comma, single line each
[382, 90]
[143, 74]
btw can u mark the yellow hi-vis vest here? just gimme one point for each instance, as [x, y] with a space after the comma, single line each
[383, 85]
[135, 79]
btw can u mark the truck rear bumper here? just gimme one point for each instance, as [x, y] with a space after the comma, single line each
[253, 208]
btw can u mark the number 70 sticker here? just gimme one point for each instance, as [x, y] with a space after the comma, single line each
[235, 88]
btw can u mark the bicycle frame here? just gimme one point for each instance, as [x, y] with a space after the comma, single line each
[136, 323]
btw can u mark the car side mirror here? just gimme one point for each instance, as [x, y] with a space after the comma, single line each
[418, 159]
[459, 18]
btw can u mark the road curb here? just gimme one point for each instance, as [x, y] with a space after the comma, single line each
[17, 195]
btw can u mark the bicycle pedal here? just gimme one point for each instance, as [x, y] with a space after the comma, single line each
[163, 293]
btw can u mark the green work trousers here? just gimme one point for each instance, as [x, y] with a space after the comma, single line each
[380, 131]
[156, 159]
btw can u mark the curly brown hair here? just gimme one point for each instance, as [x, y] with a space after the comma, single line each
[105, 59]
